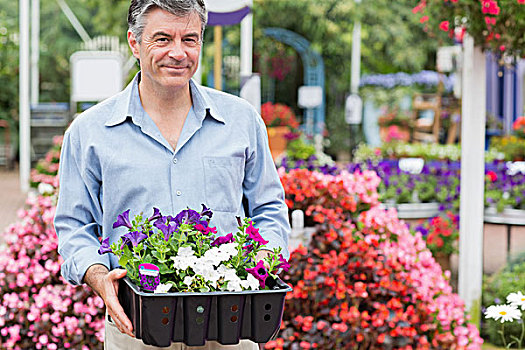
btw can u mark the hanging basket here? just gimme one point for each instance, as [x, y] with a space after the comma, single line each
[194, 318]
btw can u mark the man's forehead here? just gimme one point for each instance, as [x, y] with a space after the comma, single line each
[161, 20]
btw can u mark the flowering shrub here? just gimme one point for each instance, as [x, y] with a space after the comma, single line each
[441, 233]
[278, 115]
[519, 126]
[365, 281]
[38, 309]
[188, 256]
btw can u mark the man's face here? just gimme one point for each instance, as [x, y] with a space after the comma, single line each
[169, 50]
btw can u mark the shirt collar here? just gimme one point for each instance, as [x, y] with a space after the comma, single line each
[129, 105]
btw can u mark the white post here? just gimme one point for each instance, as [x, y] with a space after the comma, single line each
[356, 57]
[246, 45]
[24, 111]
[35, 50]
[472, 178]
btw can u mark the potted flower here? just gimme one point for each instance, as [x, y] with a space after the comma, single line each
[394, 125]
[280, 120]
[441, 234]
[185, 284]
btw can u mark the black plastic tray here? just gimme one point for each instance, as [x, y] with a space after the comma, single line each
[194, 318]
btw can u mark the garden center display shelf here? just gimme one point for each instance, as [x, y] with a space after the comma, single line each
[507, 216]
[193, 318]
[414, 210]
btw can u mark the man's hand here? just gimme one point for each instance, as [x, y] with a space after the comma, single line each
[105, 284]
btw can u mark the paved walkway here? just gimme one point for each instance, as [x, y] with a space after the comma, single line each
[11, 198]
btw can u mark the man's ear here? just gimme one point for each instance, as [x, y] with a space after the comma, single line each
[133, 44]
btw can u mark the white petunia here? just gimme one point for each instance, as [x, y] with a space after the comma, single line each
[183, 262]
[162, 288]
[250, 282]
[234, 285]
[185, 252]
[503, 312]
[215, 256]
[229, 250]
[188, 280]
[517, 300]
[226, 272]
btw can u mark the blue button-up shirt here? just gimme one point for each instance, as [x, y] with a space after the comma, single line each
[114, 158]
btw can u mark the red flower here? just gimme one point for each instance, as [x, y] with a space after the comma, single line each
[492, 176]
[444, 26]
[423, 19]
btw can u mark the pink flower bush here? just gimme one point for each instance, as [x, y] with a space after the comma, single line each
[38, 309]
[365, 281]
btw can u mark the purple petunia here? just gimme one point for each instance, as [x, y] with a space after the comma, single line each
[259, 272]
[123, 220]
[104, 247]
[254, 234]
[134, 237]
[188, 216]
[156, 215]
[167, 226]
[223, 240]
[206, 211]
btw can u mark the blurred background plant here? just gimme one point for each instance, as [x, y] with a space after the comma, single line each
[495, 289]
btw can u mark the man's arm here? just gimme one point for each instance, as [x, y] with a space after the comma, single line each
[264, 192]
[76, 223]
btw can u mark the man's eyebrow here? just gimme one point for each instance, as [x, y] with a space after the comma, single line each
[160, 33]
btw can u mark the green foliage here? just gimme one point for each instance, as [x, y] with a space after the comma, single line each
[495, 290]
[388, 28]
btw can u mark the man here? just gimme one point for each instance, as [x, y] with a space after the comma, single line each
[165, 142]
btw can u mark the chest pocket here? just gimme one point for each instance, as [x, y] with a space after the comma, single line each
[223, 182]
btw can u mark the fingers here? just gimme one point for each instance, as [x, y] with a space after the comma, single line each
[113, 306]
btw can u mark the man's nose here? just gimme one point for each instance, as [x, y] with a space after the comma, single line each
[177, 51]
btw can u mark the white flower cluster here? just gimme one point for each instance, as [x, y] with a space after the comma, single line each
[210, 267]
[507, 313]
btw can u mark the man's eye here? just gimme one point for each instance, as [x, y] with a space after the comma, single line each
[162, 40]
[190, 41]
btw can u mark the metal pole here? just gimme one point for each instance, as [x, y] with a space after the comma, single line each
[24, 111]
[472, 178]
[35, 50]
[74, 21]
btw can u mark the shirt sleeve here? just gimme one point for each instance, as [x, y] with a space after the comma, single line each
[264, 192]
[78, 214]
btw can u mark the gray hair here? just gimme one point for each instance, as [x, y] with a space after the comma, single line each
[138, 9]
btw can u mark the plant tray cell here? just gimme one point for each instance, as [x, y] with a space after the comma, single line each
[194, 318]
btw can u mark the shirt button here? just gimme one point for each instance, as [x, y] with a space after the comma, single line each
[179, 193]
[175, 160]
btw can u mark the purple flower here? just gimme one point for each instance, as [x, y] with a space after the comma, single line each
[206, 211]
[134, 237]
[222, 240]
[284, 264]
[167, 226]
[156, 215]
[104, 247]
[123, 220]
[188, 216]
[259, 272]
[254, 234]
